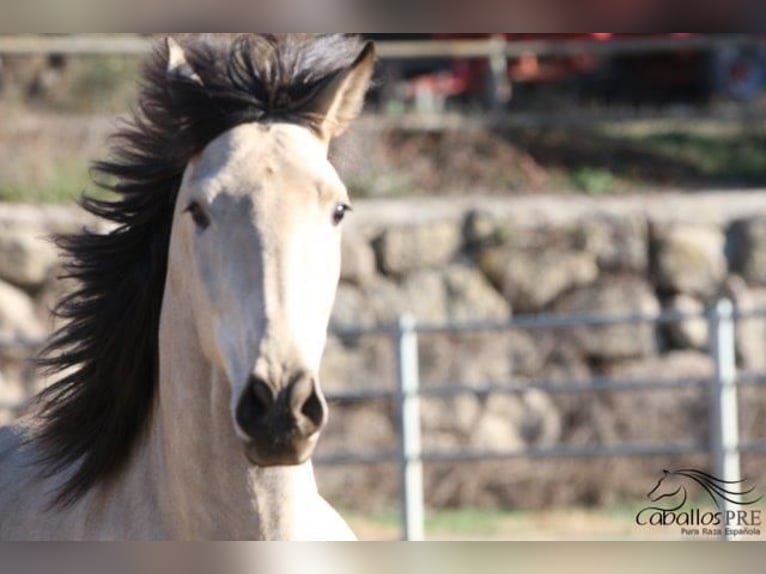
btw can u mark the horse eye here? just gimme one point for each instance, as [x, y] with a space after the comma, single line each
[340, 212]
[198, 215]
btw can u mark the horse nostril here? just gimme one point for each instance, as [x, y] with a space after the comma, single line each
[314, 410]
[262, 393]
[308, 405]
[255, 405]
[281, 424]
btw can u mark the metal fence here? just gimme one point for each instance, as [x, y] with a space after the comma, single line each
[490, 47]
[497, 50]
[723, 446]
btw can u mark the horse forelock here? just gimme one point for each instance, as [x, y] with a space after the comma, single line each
[106, 354]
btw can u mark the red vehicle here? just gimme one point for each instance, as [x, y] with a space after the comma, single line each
[609, 66]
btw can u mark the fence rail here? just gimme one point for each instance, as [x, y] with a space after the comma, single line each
[497, 50]
[723, 445]
[136, 44]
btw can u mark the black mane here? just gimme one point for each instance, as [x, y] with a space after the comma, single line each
[107, 352]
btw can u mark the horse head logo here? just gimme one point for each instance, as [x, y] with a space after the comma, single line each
[672, 486]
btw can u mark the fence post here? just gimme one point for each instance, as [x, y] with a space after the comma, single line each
[724, 418]
[500, 84]
[411, 466]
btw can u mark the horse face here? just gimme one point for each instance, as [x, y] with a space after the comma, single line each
[255, 251]
[257, 231]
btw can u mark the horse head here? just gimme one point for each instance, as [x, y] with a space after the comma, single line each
[255, 250]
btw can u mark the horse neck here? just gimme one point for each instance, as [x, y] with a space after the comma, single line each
[206, 487]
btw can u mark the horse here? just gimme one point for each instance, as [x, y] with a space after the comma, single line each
[186, 403]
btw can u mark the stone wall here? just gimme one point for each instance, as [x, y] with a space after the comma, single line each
[29, 288]
[479, 258]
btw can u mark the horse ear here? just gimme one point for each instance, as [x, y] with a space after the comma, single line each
[178, 66]
[340, 100]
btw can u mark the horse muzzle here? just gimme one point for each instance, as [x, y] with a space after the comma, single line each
[282, 426]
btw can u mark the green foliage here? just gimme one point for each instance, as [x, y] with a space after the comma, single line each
[593, 181]
[87, 84]
[65, 183]
[738, 157]
[383, 186]
[104, 84]
[467, 521]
